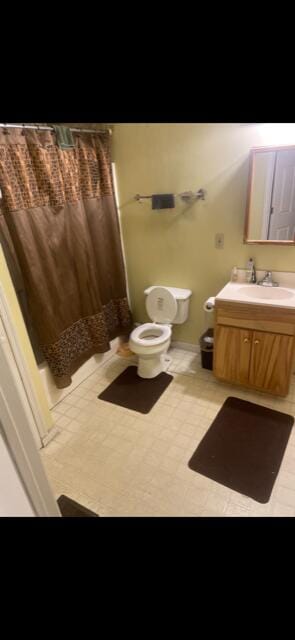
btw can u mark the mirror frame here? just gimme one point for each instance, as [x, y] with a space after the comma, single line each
[253, 151]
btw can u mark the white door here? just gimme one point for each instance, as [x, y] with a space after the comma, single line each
[15, 423]
[282, 218]
[14, 501]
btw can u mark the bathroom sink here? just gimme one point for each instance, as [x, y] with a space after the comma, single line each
[270, 293]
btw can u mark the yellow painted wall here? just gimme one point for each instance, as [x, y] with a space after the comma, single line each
[176, 247]
[25, 344]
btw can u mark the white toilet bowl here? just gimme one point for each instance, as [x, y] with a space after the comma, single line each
[150, 341]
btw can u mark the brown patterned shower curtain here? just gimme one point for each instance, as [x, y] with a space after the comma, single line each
[61, 216]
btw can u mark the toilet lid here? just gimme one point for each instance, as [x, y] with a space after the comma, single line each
[161, 305]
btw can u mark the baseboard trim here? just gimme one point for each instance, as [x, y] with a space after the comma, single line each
[54, 431]
[187, 346]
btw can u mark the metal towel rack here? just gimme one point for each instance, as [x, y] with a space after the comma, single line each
[186, 196]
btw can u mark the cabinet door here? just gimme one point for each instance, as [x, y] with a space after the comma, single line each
[271, 362]
[232, 351]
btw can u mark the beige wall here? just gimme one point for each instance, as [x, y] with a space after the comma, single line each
[24, 341]
[176, 247]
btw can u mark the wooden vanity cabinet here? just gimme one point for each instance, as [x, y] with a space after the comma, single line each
[254, 346]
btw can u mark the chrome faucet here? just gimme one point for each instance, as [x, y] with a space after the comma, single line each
[267, 281]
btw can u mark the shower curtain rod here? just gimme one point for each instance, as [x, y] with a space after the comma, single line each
[37, 127]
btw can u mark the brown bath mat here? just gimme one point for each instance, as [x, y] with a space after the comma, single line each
[132, 392]
[244, 448]
[71, 509]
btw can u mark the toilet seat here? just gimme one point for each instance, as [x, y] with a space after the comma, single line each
[151, 334]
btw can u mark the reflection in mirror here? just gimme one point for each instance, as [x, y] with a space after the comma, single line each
[271, 198]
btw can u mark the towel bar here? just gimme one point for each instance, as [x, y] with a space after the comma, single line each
[186, 196]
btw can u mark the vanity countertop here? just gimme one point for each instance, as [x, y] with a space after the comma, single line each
[283, 297]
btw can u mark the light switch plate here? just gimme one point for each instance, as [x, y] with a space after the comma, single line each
[219, 240]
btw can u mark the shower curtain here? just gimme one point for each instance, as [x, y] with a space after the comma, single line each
[60, 213]
[19, 286]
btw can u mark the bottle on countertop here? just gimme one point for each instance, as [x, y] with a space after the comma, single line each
[234, 274]
[250, 271]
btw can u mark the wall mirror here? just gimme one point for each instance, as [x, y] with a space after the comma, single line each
[270, 212]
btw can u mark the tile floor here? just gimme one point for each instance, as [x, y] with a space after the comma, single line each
[122, 463]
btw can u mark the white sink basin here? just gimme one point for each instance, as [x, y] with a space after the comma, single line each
[270, 293]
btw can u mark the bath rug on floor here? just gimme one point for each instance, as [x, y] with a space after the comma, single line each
[244, 447]
[71, 509]
[132, 392]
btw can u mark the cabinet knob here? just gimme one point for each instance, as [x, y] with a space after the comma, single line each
[256, 341]
[246, 340]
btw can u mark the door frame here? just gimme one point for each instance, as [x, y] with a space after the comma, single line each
[39, 427]
[16, 419]
[268, 197]
[246, 238]
[274, 185]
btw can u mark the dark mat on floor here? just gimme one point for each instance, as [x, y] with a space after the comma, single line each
[244, 448]
[71, 509]
[132, 392]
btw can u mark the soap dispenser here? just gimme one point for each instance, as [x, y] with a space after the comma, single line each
[250, 271]
[234, 274]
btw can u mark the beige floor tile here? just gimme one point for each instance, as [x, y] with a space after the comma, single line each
[198, 496]
[285, 496]
[197, 480]
[182, 441]
[220, 490]
[63, 421]
[176, 452]
[167, 434]
[240, 500]
[145, 441]
[169, 464]
[73, 426]
[125, 463]
[190, 509]
[111, 441]
[52, 448]
[161, 478]
[64, 437]
[261, 510]
[161, 446]
[184, 474]
[124, 446]
[216, 503]
[234, 510]
[286, 479]
[153, 458]
[187, 429]
[282, 510]
[60, 488]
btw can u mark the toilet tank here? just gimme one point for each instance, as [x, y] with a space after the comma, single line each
[183, 298]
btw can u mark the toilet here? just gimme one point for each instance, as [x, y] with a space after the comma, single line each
[150, 341]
